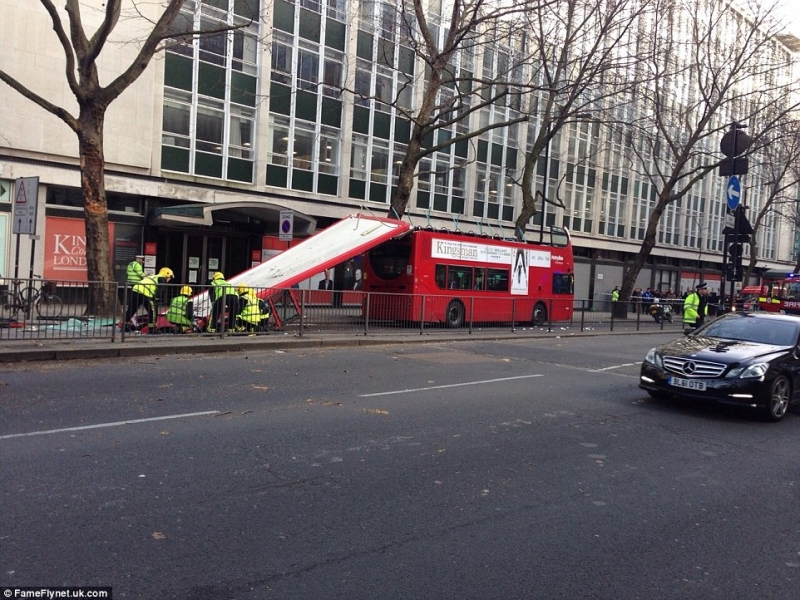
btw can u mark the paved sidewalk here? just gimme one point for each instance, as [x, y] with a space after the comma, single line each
[30, 350]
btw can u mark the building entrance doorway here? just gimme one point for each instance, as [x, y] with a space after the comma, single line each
[195, 257]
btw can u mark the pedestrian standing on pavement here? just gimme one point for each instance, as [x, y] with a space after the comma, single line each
[133, 275]
[224, 298]
[615, 294]
[144, 294]
[695, 308]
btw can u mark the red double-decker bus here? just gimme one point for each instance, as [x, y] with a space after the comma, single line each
[436, 276]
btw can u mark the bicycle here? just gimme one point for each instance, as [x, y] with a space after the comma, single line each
[46, 303]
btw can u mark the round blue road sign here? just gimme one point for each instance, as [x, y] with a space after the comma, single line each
[733, 192]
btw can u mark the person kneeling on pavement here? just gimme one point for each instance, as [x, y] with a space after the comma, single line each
[253, 312]
[144, 294]
[181, 310]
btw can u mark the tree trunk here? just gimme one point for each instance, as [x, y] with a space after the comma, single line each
[102, 286]
[629, 281]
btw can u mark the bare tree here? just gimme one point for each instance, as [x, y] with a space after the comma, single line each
[582, 62]
[778, 178]
[82, 52]
[442, 37]
[709, 67]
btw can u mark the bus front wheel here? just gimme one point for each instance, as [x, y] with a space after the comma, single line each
[539, 314]
[455, 314]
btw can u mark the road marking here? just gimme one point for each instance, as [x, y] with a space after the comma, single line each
[101, 425]
[614, 367]
[441, 387]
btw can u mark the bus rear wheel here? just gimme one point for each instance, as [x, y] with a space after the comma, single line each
[539, 314]
[455, 314]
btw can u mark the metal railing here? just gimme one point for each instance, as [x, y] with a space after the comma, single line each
[37, 309]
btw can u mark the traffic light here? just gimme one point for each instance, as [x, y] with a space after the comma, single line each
[734, 271]
[732, 144]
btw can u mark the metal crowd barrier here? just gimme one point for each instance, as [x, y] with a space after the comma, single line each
[37, 309]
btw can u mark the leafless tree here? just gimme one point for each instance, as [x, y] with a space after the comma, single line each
[444, 38]
[710, 66]
[778, 177]
[83, 51]
[583, 57]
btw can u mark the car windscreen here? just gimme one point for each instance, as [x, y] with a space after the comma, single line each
[761, 331]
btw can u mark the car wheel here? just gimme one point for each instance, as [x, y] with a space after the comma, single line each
[778, 399]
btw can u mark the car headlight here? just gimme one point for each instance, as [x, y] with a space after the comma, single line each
[654, 358]
[750, 371]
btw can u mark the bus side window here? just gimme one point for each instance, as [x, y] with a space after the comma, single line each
[480, 278]
[497, 280]
[460, 278]
[563, 283]
[441, 277]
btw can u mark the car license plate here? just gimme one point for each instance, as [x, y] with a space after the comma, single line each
[689, 384]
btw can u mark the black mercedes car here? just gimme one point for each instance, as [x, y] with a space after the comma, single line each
[745, 359]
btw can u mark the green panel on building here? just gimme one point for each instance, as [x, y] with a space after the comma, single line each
[462, 148]
[175, 159]
[483, 150]
[302, 180]
[280, 99]
[310, 25]
[440, 202]
[243, 89]
[240, 170]
[178, 72]
[457, 205]
[283, 16]
[360, 119]
[358, 189]
[377, 192]
[328, 184]
[423, 199]
[364, 45]
[382, 125]
[335, 34]
[497, 154]
[306, 107]
[511, 158]
[209, 165]
[331, 112]
[402, 130]
[277, 176]
[211, 80]
[405, 60]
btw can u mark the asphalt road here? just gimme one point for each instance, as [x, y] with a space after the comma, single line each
[505, 469]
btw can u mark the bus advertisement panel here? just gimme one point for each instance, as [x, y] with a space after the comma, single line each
[454, 278]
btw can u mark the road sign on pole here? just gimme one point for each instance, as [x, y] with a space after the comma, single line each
[733, 192]
[24, 208]
[286, 228]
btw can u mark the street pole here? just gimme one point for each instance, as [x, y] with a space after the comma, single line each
[735, 238]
